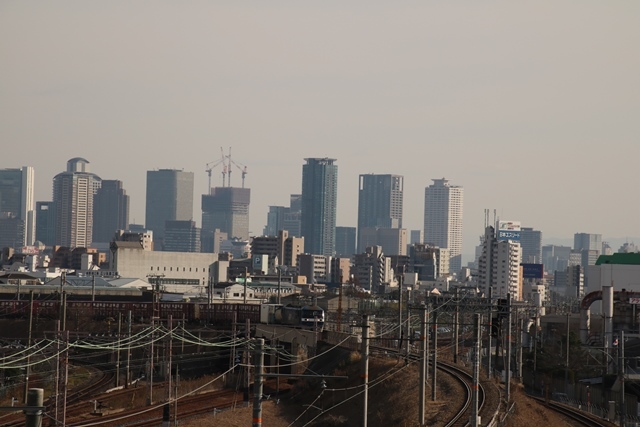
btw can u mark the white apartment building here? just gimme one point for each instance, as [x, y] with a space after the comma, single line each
[443, 205]
[499, 266]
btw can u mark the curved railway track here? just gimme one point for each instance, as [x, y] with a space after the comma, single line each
[464, 378]
[574, 414]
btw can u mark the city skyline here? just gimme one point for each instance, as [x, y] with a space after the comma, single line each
[471, 92]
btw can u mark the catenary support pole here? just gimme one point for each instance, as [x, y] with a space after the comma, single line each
[507, 380]
[475, 420]
[621, 363]
[423, 365]
[128, 379]
[490, 324]
[257, 383]
[456, 323]
[118, 351]
[27, 370]
[435, 355]
[365, 368]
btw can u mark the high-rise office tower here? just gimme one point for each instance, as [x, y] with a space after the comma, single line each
[110, 210]
[17, 216]
[284, 218]
[46, 223]
[73, 193]
[181, 236]
[169, 198]
[319, 201]
[227, 209]
[531, 243]
[443, 219]
[345, 241]
[379, 203]
[589, 246]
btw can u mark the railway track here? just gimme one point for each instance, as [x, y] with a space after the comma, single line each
[152, 416]
[574, 414]
[464, 378]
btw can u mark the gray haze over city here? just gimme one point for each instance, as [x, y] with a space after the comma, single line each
[532, 108]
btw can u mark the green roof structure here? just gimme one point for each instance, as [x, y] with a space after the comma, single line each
[619, 258]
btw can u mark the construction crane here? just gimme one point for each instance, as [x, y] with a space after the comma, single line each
[226, 162]
[211, 165]
[242, 168]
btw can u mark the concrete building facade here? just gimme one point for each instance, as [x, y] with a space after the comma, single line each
[169, 197]
[17, 207]
[443, 208]
[499, 266]
[319, 203]
[227, 209]
[73, 195]
[392, 240]
[110, 210]
[380, 203]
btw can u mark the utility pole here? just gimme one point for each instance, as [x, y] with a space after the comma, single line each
[475, 419]
[57, 372]
[566, 363]
[365, 367]
[257, 383]
[456, 322]
[65, 379]
[279, 283]
[150, 373]
[400, 329]
[408, 327]
[508, 337]
[247, 329]
[623, 409]
[490, 323]
[27, 370]
[169, 350]
[128, 379]
[435, 355]
[175, 398]
[245, 284]
[118, 352]
[520, 336]
[423, 365]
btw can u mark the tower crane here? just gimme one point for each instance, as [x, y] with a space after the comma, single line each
[226, 162]
[211, 165]
[242, 168]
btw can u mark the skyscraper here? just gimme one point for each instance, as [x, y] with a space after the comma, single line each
[181, 236]
[227, 209]
[531, 242]
[73, 193]
[17, 215]
[319, 198]
[379, 203]
[110, 210]
[169, 198]
[46, 223]
[443, 219]
[345, 241]
[589, 246]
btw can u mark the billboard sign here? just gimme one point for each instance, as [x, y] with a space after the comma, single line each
[30, 250]
[532, 271]
[509, 230]
[509, 235]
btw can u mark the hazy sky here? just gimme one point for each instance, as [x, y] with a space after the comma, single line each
[532, 108]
